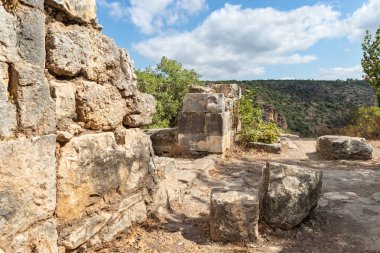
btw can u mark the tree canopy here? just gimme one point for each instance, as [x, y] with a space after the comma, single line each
[371, 61]
[168, 82]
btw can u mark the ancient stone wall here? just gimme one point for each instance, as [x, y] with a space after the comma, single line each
[74, 170]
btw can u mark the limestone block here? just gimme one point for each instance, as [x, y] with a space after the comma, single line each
[269, 148]
[217, 124]
[67, 49]
[27, 189]
[64, 95]
[288, 194]
[83, 11]
[234, 215]
[200, 89]
[192, 123]
[140, 109]
[36, 107]
[82, 234]
[193, 142]
[8, 35]
[199, 102]
[229, 90]
[8, 118]
[89, 167]
[344, 147]
[31, 36]
[163, 140]
[41, 237]
[219, 144]
[100, 107]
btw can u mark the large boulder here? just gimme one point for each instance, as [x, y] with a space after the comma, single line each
[82, 11]
[234, 215]
[343, 147]
[288, 194]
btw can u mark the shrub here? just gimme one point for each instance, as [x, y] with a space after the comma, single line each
[365, 123]
[253, 127]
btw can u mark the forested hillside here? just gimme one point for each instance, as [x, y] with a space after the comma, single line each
[310, 107]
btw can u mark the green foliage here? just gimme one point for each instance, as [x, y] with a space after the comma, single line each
[371, 61]
[168, 83]
[253, 128]
[312, 108]
[365, 123]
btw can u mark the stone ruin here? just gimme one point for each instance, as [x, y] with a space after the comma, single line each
[74, 167]
[207, 124]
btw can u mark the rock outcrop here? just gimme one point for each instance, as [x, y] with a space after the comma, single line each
[344, 147]
[71, 168]
[288, 194]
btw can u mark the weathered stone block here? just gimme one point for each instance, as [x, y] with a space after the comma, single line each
[8, 118]
[344, 147]
[269, 148]
[199, 102]
[193, 142]
[288, 194]
[28, 190]
[83, 11]
[100, 107]
[163, 140]
[140, 109]
[219, 144]
[64, 94]
[229, 90]
[31, 36]
[36, 107]
[8, 36]
[217, 124]
[192, 123]
[234, 215]
[67, 49]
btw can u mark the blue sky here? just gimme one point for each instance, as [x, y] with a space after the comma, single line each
[245, 39]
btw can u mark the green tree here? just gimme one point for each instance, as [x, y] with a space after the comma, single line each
[168, 82]
[371, 61]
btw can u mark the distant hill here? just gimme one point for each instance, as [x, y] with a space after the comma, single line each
[312, 108]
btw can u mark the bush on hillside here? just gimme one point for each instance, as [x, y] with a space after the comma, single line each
[168, 83]
[253, 127]
[365, 123]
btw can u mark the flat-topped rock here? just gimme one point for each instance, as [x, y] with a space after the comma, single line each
[288, 194]
[344, 147]
[234, 215]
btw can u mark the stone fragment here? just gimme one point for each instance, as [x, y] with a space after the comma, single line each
[64, 95]
[140, 109]
[344, 147]
[269, 148]
[82, 11]
[288, 194]
[163, 140]
[234, 215]
[229, 90]
[28, 188]
[198, 102]
[35, 106]
[100, 107]
[31, 36]
[82, 234]
[67, 49]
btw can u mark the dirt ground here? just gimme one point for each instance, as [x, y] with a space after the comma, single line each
[347, 218]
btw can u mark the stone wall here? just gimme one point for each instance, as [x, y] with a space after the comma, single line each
[207, 122]
[74, 170]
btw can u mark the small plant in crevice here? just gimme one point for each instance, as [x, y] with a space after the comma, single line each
[253, 127]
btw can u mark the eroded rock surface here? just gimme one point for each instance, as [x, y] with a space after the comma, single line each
[288, 194]
[344, 147]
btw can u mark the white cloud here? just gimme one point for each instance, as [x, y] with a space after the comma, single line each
[366, 17]
[234, 42]
[355, 72]
[152, 17]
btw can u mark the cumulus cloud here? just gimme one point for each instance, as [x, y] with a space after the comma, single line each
[355, 72]
[153, 17]
[366, 17]
[239, 42]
